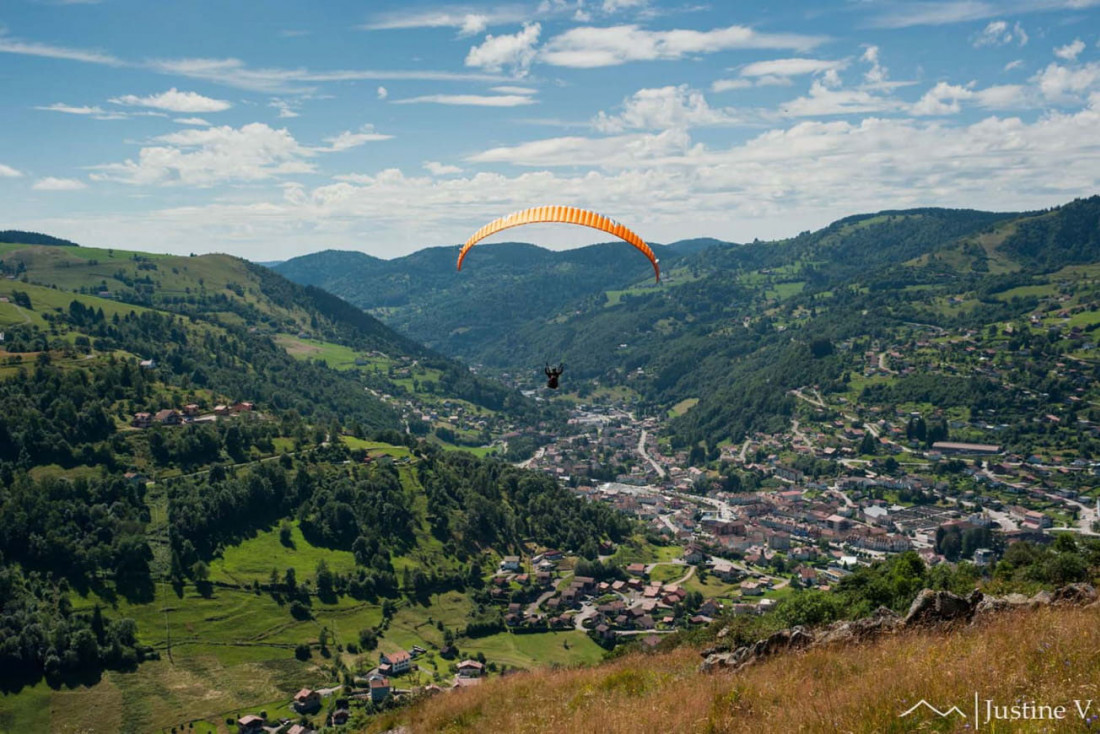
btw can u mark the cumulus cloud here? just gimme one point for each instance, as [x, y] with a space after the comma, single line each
[383, 92]
[9, 172]
[1063, 84]
[254, 152]
[1070, 50]
[942, 99]
[58, 184]
[514, 52]
[1015, 64]
[191, 121]
[476, 100]
[589, 47]
[663, 108]
[174, 101]
[439, 169]
[778, 72]
[771, 185]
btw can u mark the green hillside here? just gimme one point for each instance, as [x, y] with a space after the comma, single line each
[216, 488]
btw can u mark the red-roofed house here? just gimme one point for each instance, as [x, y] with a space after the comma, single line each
[399, 661]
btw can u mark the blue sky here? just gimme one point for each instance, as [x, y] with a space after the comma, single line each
[273, 129]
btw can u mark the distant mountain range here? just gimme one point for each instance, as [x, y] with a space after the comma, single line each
[730, 324]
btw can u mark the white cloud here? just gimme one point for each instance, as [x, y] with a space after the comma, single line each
[30, 48]
[254, 152]
[73, 109]
[790, 67]
[1002, 97]
[725, 85]
[286, 108]
[779, 72]
[515, 51]
[58, 184]
[1061, 84]
[590, 47]
[942, 99]
[1070, 50]
[439, 169]
[997, 33]
[1016, 64]
[235, 73]
[614, 6]
[476, 100]
[191, 121]
[619, 151]
[90, 110]
[516, 90]
[772, 185]
[943, 12]
[174, 101]
[876, 75]
[348, 139]
[663, 108]
[383, 92]
[9, 172]
[823, 100]
[468, 21]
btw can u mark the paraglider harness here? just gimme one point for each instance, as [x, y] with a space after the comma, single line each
[552, 375]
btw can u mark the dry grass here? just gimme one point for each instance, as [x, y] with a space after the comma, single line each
[1045, 656]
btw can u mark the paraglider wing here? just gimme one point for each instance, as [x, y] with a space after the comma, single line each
[567, 215]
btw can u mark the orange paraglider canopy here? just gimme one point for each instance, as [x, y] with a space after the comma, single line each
[567, 215]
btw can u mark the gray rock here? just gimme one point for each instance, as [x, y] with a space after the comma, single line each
[1041, 599]
[1075, 594]
[934, 607]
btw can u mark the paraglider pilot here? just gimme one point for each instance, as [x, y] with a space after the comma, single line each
[552, 375]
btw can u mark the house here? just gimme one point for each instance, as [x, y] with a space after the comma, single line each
[470, 669]
[399, 661]
[510, 563]
[147, 364]
[725, 570]
[379, 688]
[134, 477]
[191, 409]
[242, 407]
[250, 724]
[299, 729]
[306, 700]
[693, 554]
[636, 569]
[221, 410]
[168, 417]
[142, 420]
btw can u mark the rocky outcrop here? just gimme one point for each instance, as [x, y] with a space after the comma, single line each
[930, 608]
[937, 606]
[1075, 594]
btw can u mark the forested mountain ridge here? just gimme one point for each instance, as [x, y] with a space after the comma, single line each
[739, 326]
[501, 287]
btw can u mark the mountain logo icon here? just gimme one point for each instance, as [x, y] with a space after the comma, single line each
[933, 709]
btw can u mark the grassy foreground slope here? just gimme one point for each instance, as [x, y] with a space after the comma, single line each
[1046, 656]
